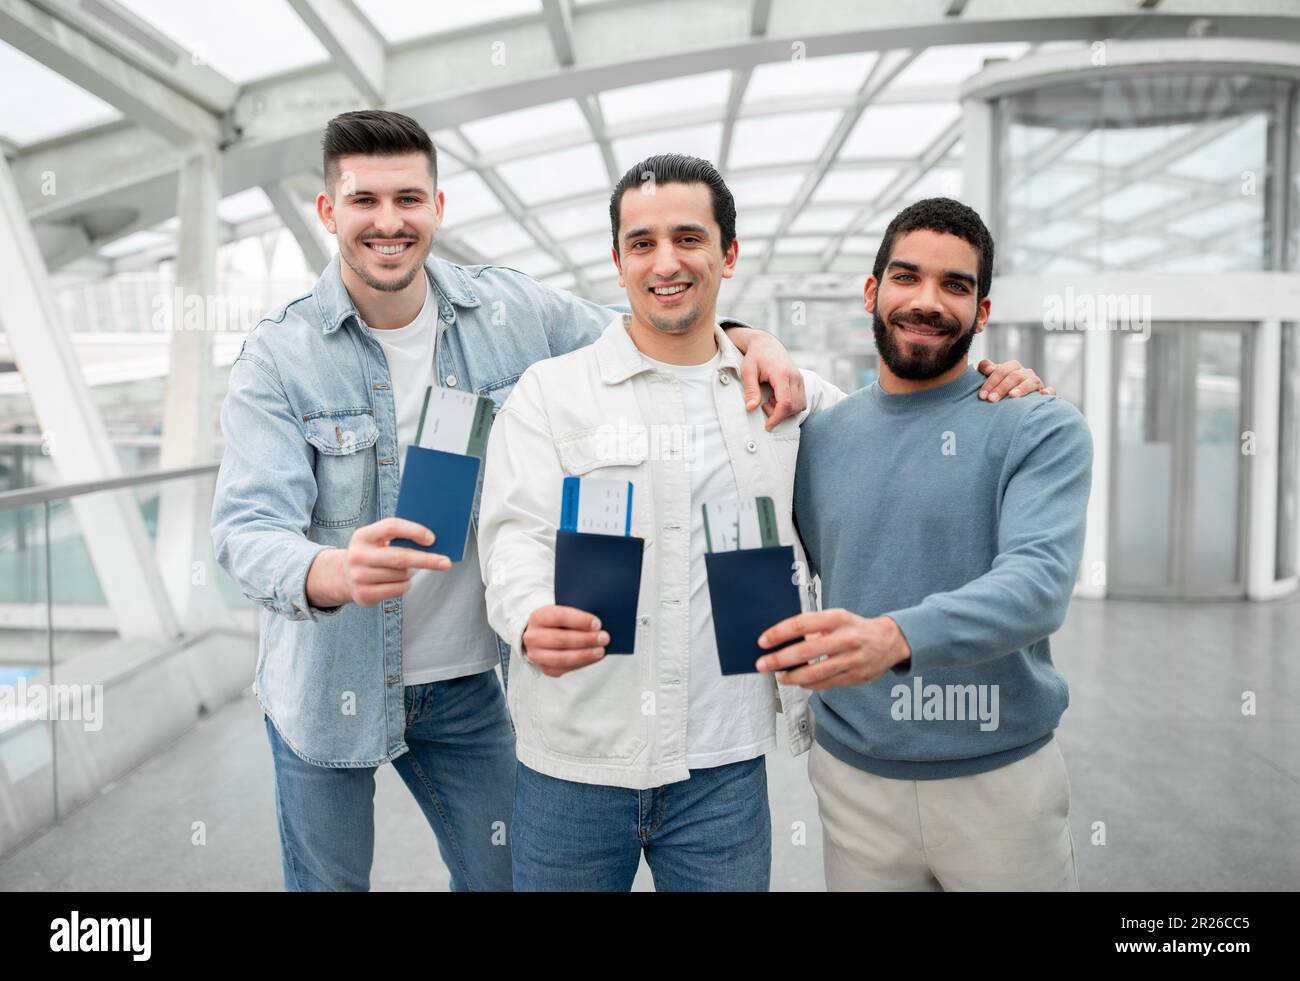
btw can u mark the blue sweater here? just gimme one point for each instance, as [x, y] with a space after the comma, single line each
[963, 521]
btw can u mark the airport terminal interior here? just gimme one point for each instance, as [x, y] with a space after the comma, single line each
[1137, 161]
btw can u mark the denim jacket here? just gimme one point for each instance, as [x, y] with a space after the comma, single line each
[311, 455]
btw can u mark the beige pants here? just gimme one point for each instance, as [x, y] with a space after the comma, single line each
[1006, 829]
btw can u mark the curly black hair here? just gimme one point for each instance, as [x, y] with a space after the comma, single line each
[941, 215]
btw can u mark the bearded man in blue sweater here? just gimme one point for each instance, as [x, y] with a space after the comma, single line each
[948, 537]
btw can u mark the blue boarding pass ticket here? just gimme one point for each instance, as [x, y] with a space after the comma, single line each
[596, 506]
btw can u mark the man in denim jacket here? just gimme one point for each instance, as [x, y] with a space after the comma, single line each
[370, 652]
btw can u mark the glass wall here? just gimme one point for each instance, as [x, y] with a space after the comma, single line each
[1288, 458]
[1217, 505]
[1158, 172]
[1142, 493]
[1177, 498]
[1057, 355]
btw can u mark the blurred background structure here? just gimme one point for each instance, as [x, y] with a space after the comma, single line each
[1137, 160]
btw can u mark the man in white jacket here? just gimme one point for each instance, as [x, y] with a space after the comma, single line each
[656, 752]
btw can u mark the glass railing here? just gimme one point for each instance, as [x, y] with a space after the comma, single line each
[95, 599]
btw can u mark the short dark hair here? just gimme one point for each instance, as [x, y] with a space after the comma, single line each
[374, 132]
[941, 215]
[677, 168]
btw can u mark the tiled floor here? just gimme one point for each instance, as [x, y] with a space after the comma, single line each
[1190, 792]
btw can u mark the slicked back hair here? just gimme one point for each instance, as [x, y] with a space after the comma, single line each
[374, 132]
[677, 168]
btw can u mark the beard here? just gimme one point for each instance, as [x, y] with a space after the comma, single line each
[680, 325]
[922, 363]
[355, 258]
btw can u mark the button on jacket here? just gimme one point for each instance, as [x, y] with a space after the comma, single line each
[605, 411]
[311, 455]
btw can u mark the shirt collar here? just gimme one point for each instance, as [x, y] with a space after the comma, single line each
[619, 359]
[336, 306]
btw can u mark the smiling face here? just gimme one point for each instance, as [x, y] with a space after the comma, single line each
[924, 310]
[385, 213]
[670, 257]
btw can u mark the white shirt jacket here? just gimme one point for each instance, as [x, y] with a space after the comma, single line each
[606, 411]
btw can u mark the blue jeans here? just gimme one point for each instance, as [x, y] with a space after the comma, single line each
[460, 769]
[712, 832]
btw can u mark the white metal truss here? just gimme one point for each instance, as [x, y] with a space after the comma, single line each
[184, 543]
[48, 33]
[111, 522]
[445, 80]
[356, 47]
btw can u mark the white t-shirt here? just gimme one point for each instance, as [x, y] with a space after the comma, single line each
[445, 632]
[728, 719]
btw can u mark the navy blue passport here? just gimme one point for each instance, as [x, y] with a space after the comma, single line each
[601, 574]
[438, 492]
[750, 590]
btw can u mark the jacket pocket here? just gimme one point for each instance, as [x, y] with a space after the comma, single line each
[613, 453]
[604, 448]
[344, 441]
[599, 713]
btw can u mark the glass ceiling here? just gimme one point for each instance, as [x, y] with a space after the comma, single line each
[242, 39]
[530, 188]
[40, 103]
[404, 21]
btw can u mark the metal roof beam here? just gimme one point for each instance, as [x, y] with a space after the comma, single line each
[559, 25]
[357, 48]
[106, 74]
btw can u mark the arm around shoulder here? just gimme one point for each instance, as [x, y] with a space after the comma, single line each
[822, 394]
